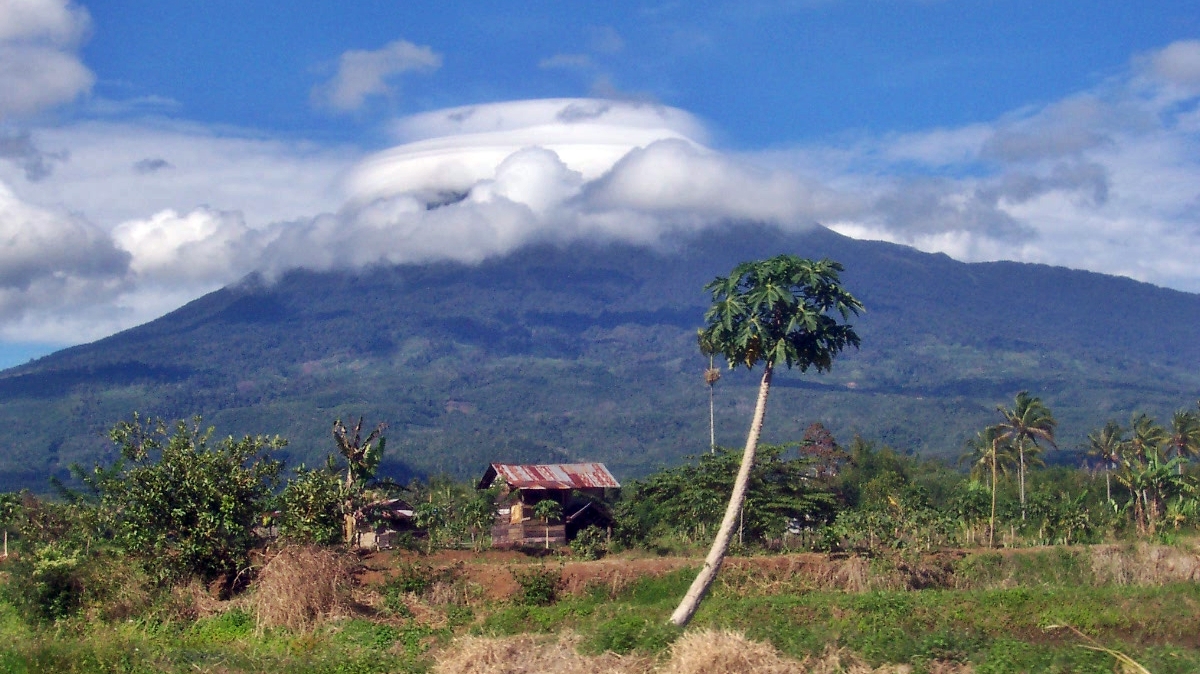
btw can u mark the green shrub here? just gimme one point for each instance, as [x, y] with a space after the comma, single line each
[310, 507]
[539, 585]
[591, 543]
[185, 508]
[46, 581]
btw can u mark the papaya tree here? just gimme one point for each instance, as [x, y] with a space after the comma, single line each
[780, 311]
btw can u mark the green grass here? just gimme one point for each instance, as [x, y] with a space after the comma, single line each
[1012, 622]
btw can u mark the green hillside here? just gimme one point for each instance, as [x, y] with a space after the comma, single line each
[587, 352]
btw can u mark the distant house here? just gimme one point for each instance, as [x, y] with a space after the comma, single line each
[380, 522]
[578, 487]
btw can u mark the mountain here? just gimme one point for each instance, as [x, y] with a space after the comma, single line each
[587, 351]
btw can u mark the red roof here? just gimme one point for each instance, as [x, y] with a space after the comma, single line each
[550, 476]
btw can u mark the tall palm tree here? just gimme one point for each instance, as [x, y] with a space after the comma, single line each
[1105, 444]
[1028, 420]
[990, 450]
[1184, 436]
[1146, 439]
[777, 311]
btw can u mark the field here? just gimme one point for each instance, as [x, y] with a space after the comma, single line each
[1064, 609]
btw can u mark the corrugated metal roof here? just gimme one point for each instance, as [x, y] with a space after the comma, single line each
[551, 476]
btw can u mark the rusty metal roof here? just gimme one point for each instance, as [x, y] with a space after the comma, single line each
[550, 476]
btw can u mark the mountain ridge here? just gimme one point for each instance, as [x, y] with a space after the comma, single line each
[587, 350]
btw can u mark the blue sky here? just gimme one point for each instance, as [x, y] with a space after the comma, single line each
[151, 152]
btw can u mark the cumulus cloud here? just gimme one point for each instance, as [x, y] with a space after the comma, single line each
[39, 66]
[478, 181]
[1178, 64]
[52, 260]
[142, 219]
[362, 74]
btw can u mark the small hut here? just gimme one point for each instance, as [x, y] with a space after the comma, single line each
[579, 488]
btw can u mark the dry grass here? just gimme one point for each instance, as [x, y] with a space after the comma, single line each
[300, 587]
[723, 652]
[1144, 564]
[699, 652]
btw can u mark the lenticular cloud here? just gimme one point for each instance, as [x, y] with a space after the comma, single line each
[476, 181]
[454, 150]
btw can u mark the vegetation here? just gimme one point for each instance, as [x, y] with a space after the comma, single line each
[82, 594]
[183, 553]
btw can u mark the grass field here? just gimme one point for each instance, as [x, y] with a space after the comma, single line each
[1042, 610]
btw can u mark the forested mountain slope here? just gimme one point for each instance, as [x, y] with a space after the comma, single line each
[587, 351]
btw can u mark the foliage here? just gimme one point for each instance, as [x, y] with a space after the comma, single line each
[182, 506]
[310, 506]
[778, 311]
[590, 543]
[540, 585]
[688, 500]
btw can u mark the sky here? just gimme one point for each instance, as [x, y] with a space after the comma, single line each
[152, 152]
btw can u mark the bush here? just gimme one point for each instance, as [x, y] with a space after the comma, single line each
[47, 582]
[539, 585]
[186, 508]
[311, 507]
[591, 543]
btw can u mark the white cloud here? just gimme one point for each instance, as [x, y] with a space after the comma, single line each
[39, 66]
[137, 219]
[482, 180]
[1177, 64]
[362, 74]
[197, 249]
[1106, 180]
[104, 174]
[52, 263]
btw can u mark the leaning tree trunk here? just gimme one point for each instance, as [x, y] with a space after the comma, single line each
[716, 555]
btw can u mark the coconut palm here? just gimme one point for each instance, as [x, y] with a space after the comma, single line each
[777, 311]
[1105, 444]
[1027, 421]
[992, 451]
[1146, 439]
[1184, 436]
